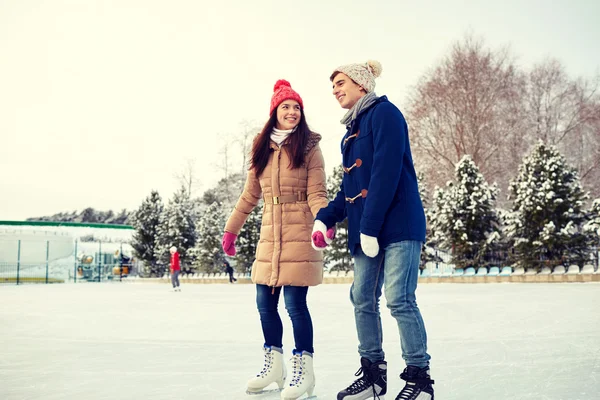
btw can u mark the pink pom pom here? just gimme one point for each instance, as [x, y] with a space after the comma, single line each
[280, 83]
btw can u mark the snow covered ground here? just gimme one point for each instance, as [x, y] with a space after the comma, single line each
[130, 341]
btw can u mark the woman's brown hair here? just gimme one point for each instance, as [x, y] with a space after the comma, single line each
[296, 144]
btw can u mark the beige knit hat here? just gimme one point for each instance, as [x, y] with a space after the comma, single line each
[363, 74]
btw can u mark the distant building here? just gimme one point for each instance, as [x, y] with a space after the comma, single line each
[90, 251]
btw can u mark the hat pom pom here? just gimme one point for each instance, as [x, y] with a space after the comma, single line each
[375, 67]
[280, 83]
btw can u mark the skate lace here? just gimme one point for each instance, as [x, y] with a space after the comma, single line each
[268, 363]
[362, 383]
[297, 369]
[407, 393]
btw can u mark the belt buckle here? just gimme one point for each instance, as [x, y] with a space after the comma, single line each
[276, 200]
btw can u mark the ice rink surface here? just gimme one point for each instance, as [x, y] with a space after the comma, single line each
[142, 341]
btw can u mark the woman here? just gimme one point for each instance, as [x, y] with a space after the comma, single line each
[287, 171]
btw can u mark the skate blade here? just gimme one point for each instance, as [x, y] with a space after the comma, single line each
[267, 391]
[313, 397]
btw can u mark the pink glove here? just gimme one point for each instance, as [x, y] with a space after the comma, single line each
[228, 243]
[331, 234]
[320, 240]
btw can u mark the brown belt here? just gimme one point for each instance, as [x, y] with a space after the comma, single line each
[292, 198]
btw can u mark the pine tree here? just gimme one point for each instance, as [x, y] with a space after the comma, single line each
[336, 255]
[247, 241]
[592, 227]
[176, 228]
[546, 219]
[146, 221]
[226, 191]
[423, 190]
[207, 252]
[428, 250]
[464, 219]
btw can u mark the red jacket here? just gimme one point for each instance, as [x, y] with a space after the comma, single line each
[175, 262]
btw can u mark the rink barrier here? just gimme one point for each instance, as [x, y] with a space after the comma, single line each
[348, 278]
[26, 274]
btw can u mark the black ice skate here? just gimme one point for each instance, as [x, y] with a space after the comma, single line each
[371, 385]
[418, 384]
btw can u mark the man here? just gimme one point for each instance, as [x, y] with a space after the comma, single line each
[386, 229]
[175, 269]
[229, 271]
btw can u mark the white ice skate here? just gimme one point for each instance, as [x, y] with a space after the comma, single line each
[303, 377]
[273, 371]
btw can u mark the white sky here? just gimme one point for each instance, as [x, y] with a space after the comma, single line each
[103, 101]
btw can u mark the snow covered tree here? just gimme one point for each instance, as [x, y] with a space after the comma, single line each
[122, 218]
[207, 252]
[546, 219]
[89, 215]
[564, 111]
[592, 227]
[428, 251]
[176, 228]
[423, 189]
[247, 241]
[146, 221]
[226, 191]
[470, 102]
[464, 218]
[336, 255]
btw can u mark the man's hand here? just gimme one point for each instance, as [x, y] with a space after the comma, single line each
[321, 236]
[369, 245]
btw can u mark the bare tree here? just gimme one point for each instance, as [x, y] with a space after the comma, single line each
[565, 112]
[249, 129]
[471, 103]
[235, 148]
[187, 177]
[557, 106]
[224, 167]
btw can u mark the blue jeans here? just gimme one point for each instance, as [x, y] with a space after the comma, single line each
[175, 278]
[397, 266]
[295, 303]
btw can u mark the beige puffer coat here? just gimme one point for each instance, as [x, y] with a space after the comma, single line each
[284, 255]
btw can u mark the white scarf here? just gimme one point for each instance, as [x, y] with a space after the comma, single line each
[279, 135]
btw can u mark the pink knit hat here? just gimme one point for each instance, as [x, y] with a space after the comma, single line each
[283, 91]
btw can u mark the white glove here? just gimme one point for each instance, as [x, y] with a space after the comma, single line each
[369, 245]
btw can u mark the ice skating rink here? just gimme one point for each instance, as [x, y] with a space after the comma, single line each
[141, 341]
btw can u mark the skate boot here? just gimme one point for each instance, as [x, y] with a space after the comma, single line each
[418, 384]
[371, 385]
[273, 371]
[303, 377]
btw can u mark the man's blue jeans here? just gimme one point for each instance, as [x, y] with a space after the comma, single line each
[397, 266]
